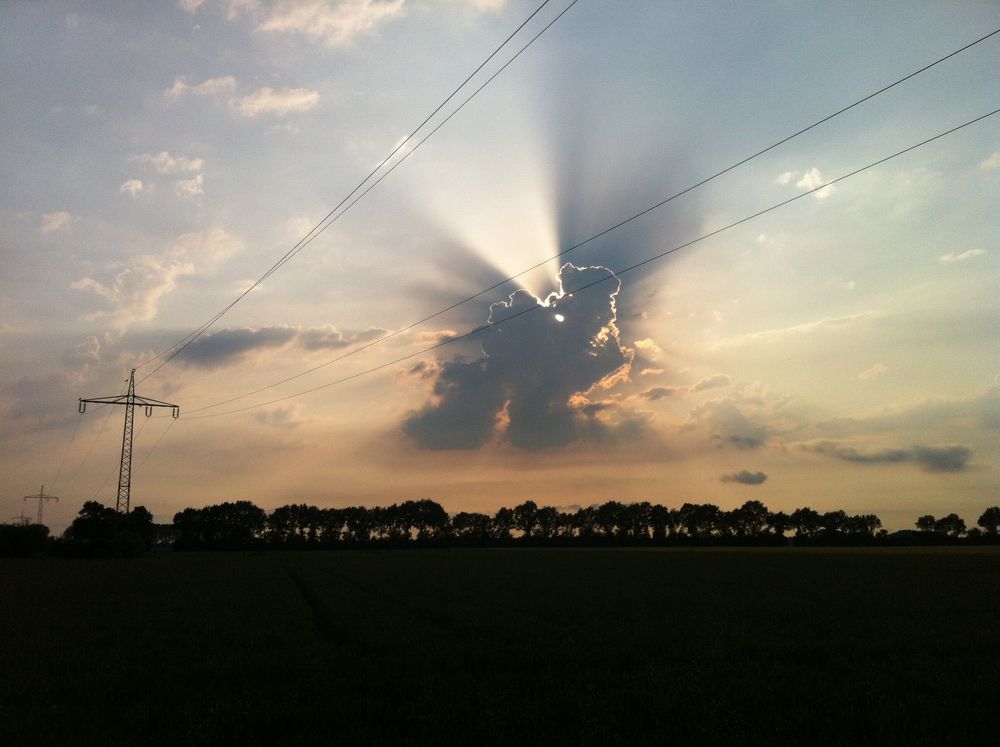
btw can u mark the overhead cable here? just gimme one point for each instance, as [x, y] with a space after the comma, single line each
[596, 236]
[330, 217]
[615, 273]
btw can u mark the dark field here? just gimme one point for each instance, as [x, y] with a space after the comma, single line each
[503, 646]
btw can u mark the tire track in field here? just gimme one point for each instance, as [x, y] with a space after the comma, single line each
[436, 619]
[323, 616]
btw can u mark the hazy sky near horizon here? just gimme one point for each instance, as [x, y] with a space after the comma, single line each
[840, 352]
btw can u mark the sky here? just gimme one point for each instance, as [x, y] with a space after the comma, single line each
[840, 351]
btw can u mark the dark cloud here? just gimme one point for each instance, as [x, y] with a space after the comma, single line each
[222, 347]
[528, 382]
[659, 392]
[712, 382]
[745, 477]
[331, 338]
[942, 458]
[949, 458]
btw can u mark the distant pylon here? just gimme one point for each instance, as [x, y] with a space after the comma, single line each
[130, 400]
[41, 498]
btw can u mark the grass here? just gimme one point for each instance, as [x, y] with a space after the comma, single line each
[503, 646]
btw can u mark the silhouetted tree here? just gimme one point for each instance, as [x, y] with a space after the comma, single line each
[525, 517]
[952, 525]
[779, 522]
[806, 522]
[990, 520]
[700, 520]
[926, 523]
[862, 524]
[22, 540]
[503, 522]
[834, 521]
[472, 526]
[226, 526]
[749, 520]
[546, 521]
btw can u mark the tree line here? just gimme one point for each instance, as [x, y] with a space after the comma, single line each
[238, 525]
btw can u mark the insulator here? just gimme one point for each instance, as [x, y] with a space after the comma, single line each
[176, 412]
[83, 407]
[149, 411]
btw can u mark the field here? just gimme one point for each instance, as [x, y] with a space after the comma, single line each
[503, 646]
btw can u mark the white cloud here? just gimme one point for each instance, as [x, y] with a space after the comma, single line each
[962, 256]
[829, 323]
[52, 222]
[191, 6]
[164, 163]
[222, 86]
[649, 348]
[134, 292]
[189, 189]
[992, 163]
[811, 180]
[132, 188]
[488, 5]
[335, 23]
[786, 177]
[879, 369]
[277, 101]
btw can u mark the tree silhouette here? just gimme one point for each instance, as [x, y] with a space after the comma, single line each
[990, 520]
[952, 525]
[525, 517]
[926, 523]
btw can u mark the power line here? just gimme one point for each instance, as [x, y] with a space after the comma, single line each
[182, 344]
[150, 452]
[615, 274]
[62, 461]
[596, 236]
[92, 445]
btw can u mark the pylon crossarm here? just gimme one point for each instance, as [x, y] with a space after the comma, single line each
[147, 402]
[120, 399]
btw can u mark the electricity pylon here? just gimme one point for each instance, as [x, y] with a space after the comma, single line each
[41, 498]
[130, 400]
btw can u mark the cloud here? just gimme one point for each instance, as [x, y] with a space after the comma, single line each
[992, 163]
[192, 188]
[982, 410]
[132, 188]
[165, 163]
[133, 294]
[879, 369]
[712, 382]
[745, 477]
[950, 458]
[335, 23]
[277, 101]
[659, 392]
[281, 417]
[651, 372]
[962, 256]
[191, 6]
[52, 222]
[224, 85]
[221, 348]
[730, 424]
[529, 386]
[331, 338]
[807, 328]
[811, 180]
[783, 178]
[649, 348]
